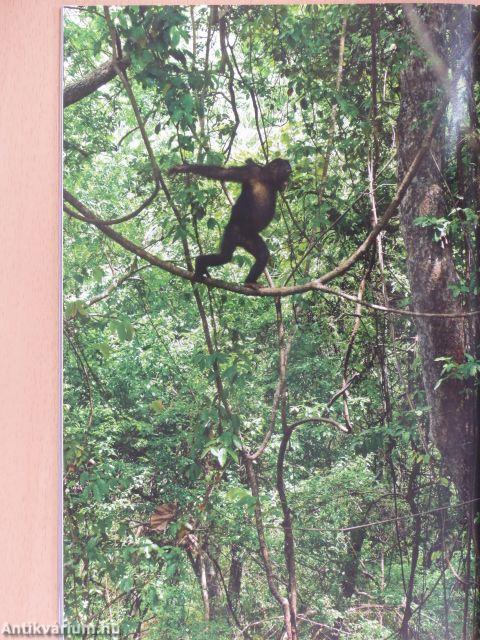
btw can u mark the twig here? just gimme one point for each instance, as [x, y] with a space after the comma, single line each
[116, 283]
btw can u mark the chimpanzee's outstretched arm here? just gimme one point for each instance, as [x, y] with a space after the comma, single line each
[229, 174]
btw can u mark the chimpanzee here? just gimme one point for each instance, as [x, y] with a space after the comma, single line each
[251, 213]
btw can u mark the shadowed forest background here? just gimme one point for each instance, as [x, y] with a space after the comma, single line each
[298, 462]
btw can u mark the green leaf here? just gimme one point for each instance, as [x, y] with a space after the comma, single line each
[98, 274]
[237, 441]
[76, 308]
[157, 406]
[104, 348]
[125, 584]
[124, 329]
[221, 455]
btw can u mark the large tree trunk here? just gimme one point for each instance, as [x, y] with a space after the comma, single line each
[350, 569]
[235, 575]
[430, 264]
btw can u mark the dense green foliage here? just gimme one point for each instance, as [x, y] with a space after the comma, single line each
[146, 424]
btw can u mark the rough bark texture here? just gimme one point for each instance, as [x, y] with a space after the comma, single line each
[235, 574]
[75, 91]
[214, 590]
[430, 265]
[350, 569]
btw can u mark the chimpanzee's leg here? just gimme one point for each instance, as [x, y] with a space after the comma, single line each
[259, 250]
[227, 247]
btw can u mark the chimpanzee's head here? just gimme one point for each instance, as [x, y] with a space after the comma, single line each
[280, 171]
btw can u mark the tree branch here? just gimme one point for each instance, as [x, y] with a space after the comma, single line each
[76, 91]
[85, 215]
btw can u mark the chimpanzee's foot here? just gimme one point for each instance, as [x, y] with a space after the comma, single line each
[254, 285]
[200, 277]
